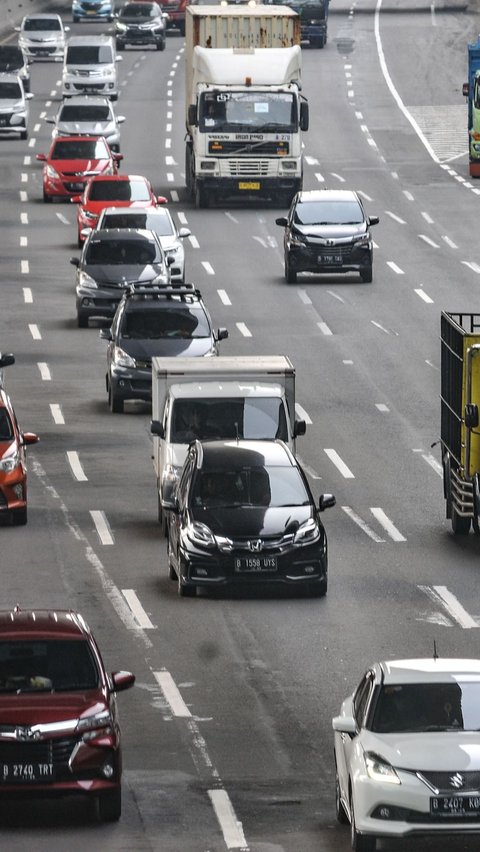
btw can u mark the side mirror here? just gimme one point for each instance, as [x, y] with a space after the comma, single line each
[160, 199]
[29, 438]
[304, 116]
[121, 119]
[471, 415]
[7, 359]
[170, 260]
[156, 428]
[67, 29]
[373, 220]
[105, 333]
[299, 428]
[465, 90]
[75, 261]
[326, 501]
[192, 115]
[119, 59]
[76, 199]
[184, 232]
[282, 221]
[117, 157]
[122, 681]
[344, 725]
[85, 232]
[222, 333]
[41, 157]
[29, 96]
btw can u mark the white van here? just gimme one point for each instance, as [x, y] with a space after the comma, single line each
[90, 67]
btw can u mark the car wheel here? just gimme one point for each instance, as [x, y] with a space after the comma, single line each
[19, 517]
[460, 525]
[24, 134]
[290, 274]
[185, 591]
[367, 275]
[47, 198]
[82, 321]
[360, 842]
[161, 45]
[115, 403]
[79, 242]
[342, 818]
[75, 19]
[110, 806]
[318, 589]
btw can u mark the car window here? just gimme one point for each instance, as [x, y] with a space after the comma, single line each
[182, 323]
[250, 486]
[328, 213]
[89, 54]
[6, 428]
[52, 665]
[361, 698]
[428, 707]
[81, 149]
[41, 24]
[84, 113]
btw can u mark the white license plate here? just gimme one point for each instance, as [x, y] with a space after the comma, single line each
[26, 773]
[455, 806]
[255, 564]
[330, 258]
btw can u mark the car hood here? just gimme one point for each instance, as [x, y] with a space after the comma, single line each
[11, 103]
[37, 708]
[43, 36]
[169, 242]
[252, 520]
[94, 166]
[88, 128]
[331, 232]
[167, 347]
[123, 274]
[445, 750]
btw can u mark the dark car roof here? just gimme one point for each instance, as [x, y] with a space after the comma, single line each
[217, 454]
[52, 624]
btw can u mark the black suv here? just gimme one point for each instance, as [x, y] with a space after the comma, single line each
[111, 262]
[140, 23]
[243, 513]
[163, 321]
[327, 230]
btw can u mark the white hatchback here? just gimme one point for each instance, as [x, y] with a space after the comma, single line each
[407, 751]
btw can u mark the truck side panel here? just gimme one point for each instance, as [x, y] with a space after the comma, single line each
[451, 386]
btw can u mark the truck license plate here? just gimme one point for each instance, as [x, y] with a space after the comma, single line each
[455, 806]
[255, 564]
[249, 184]
[26, 773]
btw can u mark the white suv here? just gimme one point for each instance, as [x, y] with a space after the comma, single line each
[90, 67]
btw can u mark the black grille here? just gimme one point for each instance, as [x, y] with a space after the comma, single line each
[442, 781]
[56, 751]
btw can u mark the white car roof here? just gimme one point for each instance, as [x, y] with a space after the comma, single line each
[429, 670]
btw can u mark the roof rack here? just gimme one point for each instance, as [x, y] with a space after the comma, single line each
[158, 290]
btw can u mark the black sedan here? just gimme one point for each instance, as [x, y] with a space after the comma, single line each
[111, 262]
[243, 513]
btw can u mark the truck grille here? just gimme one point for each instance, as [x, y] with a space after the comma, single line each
[263, 149]
[248, 168]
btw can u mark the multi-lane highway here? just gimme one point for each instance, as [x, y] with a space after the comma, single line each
[227, 735]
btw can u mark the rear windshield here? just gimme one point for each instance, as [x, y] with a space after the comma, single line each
[84, 113]
[119, 190]
[47, 666]
[251, 418]
[81, 149]
[41, 24]
[87, 54]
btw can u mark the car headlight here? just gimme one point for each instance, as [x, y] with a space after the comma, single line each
[171, 475]
[379, 770]
[86, 280]
[362, 240]
[109, 70]
[122, 358]
[91, 725]
[120, 27]
[18, 107]
[10, 460]
[307, 532]
[51, 173]
[172, 250]
[298, 240]
[88, 215]
[200, 535]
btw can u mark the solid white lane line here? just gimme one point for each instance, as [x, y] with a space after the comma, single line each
[193, 241]
[231, 827]
[27, 295]
[35, 331]
[137, 609]
[395, 268]
[441, 595]
[387, 524]
[395, 217]
[103, 527]
[381, 406]
[362, 524]
[77, 469]
[339, 464]
[24, 267]
[44, 371]
[428, 241]
[172, 695]
[243, 329]
[208, 267]
[302, 414]
[57, 415]
[423, 296]
[224, 297]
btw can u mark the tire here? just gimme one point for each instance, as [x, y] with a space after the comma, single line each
[318, 589]
[161, 45]
[76, 19]
[79, 242]
[120, 45]
[115, 403]
[110, 806]
[24, 134]
[367, 275]
[360, 842]
[19, 517]
[342, 817]
[47, 198]
[201, 198]
[460, 525]
[181, 27]
[185, 591]
[82, 321]
[290, 274]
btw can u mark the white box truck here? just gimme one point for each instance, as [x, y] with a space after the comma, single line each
[249, 397]
[244, 108]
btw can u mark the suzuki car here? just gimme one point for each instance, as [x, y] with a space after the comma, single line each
[327, 231]
[243, 515]
[72, 161]
[13, 462]
[59, 729]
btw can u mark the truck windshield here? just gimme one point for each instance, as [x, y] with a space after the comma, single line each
[252, 418]
[248, 112]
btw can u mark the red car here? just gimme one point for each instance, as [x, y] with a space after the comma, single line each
[72, 161]
[112, 191]
[13, 463]
[59, 732]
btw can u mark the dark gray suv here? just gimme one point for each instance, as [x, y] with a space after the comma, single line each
[327, 231]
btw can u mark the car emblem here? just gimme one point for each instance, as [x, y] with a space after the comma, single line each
[255, 545]
[26, 734]
[457, 781]
[329, 242]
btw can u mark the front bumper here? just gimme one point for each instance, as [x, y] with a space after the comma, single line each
[13, 490]
[140, 37]
[342, 258]
[13, 122]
